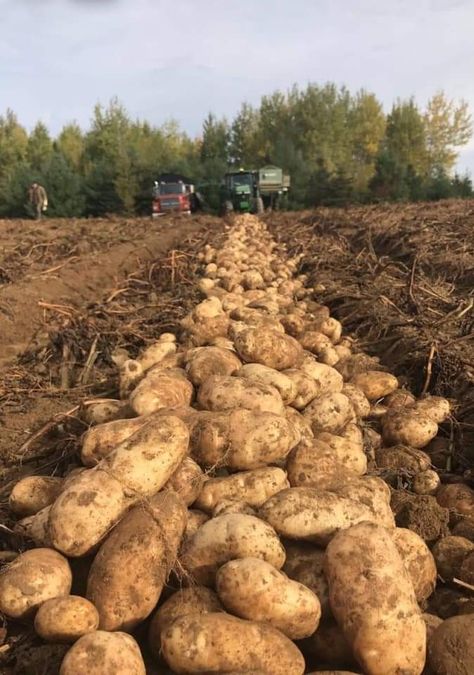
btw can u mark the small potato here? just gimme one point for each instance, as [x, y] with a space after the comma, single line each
[402, 458]
[33, 493]
[373, 601]
[330, 413]
[451, 647]
[221, 643]
[36, 528]
[32, 578]
[119, 654]
[253, 487]
[408, 427]
[359, 400]
[449, 554]
[306, 387]
[375, 384]
[130, 374]
[426, 482]
[320, 345]
[187, 481]
[228, 537]
[66, 619]
[436, 407]
[304, 563]
[155, 353]
[327, 378]
[418, 561]
[400, 398]
[208, 361]
[458, 498]
[268, 347]
[220, 393]
[253, 589]
[255, 372]
[161, 388]
[104, 410]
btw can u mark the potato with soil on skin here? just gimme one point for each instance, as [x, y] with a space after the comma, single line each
[402, 458]
[161, 388]
[312, 515]
[458, 498]
[231, 506]
[315, 466]
[268, 347]
[66, 619]
[102, 652]
[408, 427]
[129, 571]
[431, 622]
[436, 407]
[32, 578]
[418, 561]
[372, 492]
[423, 515]
[373, 601]
[207, 361]
[241, 439]
[304, 563]
[99, 441]
[464, 528]
[359, 400]
[187, 481]
[426, 482]
[330, 413]
[326, 377]
[449, 554]
[195, 519]
[97, 498]
[255, 372]
[375, 384]
[130, 374]
[105, 410]
[329, 646]
[253, 487]
[400, 398]
[320, 345]
[347, 447]
[305, 386]
[192, 600]
[219, 643]
[220, 393]
[155, 353]
[466, 571]
[451, 647]
[228, 537]
[253, 589]
[33, 493]
[36, 528]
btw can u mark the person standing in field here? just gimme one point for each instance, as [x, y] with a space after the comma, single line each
[38, 199]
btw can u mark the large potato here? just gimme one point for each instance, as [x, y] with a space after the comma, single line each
[315, 466]
[95, 500]
[231, 506]
[327, 378]
[304, 563]
[132, 565]
[32, 578]
[301, 424]
[373, 601]
[449, 554]
[408, 427]
[33, 493]
[436, 407]
[306, 387]
[402, 458]
[330, 413]
[66, 619]
[255, 372]
[208, 361]
[99, 441]
[156, 352]
[220, 643]
[451, 647]
[161, 388]
[313, 515]
[268, 347]
[375, 384]
[101, 652]
[418, 560]
[253, 589]
[187, 481]
[220, 393]
[372, 492]
[347, 448]
[228, 537]
[253, 487]
[458, 498]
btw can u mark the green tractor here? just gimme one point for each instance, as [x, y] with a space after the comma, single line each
[253, 191]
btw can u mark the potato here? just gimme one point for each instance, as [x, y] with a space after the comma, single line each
[208, 361]
[402, 458]
[315, 466]
[253, 487]
[96, 499]
[375, 384]
[329, 646]
[241, 439]
[253, 589]
[155, 353]
[33, 493]
[99, 441]
[192, 600]
[418, 561]
[187, 481]
[330, 413]
[220, 393]
[426, 482]
[32, 578]
[451, 647]
[227, 537]
[219, 643]
[373, 601]
[320, 345]
[436, 407]
[347, 448]
[312, 515]
[458, 498]
[306, 387]
[66, 619]
[268, 347]
[400, 398]
[128, 573]
[196, 518]
[372, 492]
[327, 378]
[255, 372]
[431, 622]
[408, 427]
[36, 527]
[130, 374]
[161, 388]
[359, 401]
[466, 572]
[464, 528]
[232, 506]
[101, 411]
[328, 326]
[304, 563]
[102, 652]
[449, 554]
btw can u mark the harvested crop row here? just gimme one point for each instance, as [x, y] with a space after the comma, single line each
[232, 502]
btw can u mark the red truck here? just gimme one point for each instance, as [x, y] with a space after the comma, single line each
[173, 193]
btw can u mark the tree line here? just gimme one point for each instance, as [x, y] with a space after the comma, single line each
[338, 148]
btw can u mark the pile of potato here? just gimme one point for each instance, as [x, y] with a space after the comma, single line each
[231, 501]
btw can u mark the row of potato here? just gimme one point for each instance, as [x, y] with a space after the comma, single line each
[226, 499]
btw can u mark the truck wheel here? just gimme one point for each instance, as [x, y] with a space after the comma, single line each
[259, 205]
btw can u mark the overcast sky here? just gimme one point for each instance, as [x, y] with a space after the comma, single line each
[183, 58]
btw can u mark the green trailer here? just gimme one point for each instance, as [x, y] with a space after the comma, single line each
[253, 191]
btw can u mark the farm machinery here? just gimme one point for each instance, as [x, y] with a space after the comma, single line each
[253, 191]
